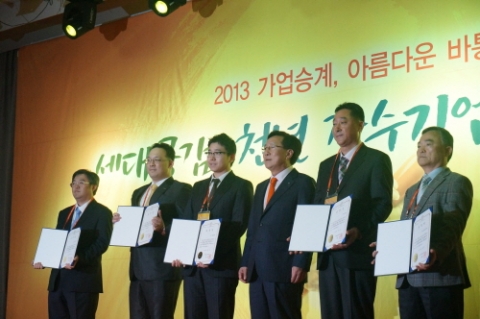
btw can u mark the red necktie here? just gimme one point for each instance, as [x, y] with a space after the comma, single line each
[271, 190]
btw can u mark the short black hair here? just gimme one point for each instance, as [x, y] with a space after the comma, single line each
[167, 148]
[445, 136]
[289, 142]
[356, 111]
[92, 177]
[226, 141]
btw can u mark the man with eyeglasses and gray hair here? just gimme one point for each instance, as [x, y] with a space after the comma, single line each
[209, 290]
[276, 277]
[74, 290]
[154, 285]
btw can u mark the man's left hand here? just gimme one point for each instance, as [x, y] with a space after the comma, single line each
[158, 224]
[433, 259]
[352, 235]
[73, 264]
[298, 275]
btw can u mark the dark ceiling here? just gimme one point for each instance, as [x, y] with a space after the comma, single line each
[23, 22]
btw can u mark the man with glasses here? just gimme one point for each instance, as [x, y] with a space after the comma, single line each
[154, 285]
[347, 283]
[276, 278]
[209, 290]
[74, 290]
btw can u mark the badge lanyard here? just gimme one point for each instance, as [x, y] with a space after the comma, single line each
[70, 216]
[333, 168]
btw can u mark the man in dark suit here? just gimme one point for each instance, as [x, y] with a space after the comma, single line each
[347, 283]
[276, 278]
[209, 290]
[74, 290]
[154, 285]
[435, 290]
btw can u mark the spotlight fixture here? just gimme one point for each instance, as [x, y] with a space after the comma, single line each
[164, 7]
[79, 17]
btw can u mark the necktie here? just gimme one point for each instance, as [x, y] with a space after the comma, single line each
[342, 168]
[271, 190]
[152, 190]
[76, 216]
[215, 182]
[423, 185]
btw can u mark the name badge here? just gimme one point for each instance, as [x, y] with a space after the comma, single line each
[331, 200]
[203, 215]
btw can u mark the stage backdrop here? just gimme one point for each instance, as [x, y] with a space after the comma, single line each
[244, 68]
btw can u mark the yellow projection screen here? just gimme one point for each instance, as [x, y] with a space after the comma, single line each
[243, 68]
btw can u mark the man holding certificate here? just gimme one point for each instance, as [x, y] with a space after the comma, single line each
[435, 290]
[209, 290]
[154, 285]
[276, 278]
[347, 282]
[74, 290]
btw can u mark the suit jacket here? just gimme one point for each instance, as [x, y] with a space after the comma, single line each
[146, 262]
[231, 202]
[369, 180]
[450, 197]
[266, 247]
[96, 225]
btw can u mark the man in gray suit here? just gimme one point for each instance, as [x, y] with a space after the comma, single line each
[154, 285]
[435, 290]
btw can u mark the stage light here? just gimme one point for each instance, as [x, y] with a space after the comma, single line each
[79, 18]
[165, 7]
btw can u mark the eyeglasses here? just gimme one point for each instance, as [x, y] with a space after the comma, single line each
[154, 160]
[269, 148]
[216, 154]
[79, 183]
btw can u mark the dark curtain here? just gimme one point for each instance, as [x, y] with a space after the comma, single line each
[8, 90]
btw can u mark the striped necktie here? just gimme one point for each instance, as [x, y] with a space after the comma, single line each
[76, 216]
[423, 186]
[342, 168]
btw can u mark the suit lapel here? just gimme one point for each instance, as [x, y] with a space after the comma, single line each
[354, 165]
[224, 187]
[284, 186]
[138, 195]
[435, 183]
[262, 190]
[160, 191]
[86, 213]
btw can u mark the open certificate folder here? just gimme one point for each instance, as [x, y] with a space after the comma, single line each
[57, 247]
[318, 227]
[135, 227]
[403, 244]
[192, 241]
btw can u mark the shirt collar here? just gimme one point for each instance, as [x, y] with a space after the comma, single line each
[221, 177]
[160, 182]
[435, 172]
[350, 153]
[281, 176]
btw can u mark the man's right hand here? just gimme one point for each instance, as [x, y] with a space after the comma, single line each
[177, 263]
[116, 218]
[375, 252]
[38, 266]
[242, 274]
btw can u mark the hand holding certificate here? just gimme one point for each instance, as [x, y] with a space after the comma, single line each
[135, 226]
[337, 225]
[318, 228]
[56, 247]
[403, 245]
[192, 241]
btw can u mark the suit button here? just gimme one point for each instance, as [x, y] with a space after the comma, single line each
[261, 224]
